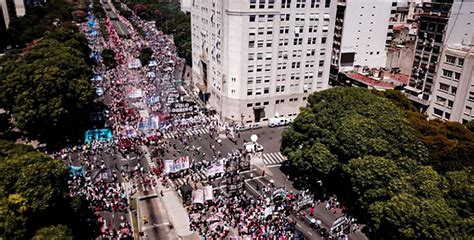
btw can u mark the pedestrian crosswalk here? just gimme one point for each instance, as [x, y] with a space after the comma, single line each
[273, 158]
[187, 132]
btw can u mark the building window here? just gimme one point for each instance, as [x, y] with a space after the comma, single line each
[285, 3]
[252, 18]
[312, 40]
[323, 40]
[444, 87]
[450, 103]
[249, 104]
[251, 44]
[280, 89]
[447, 73]
[249, 92]
[438, 112]
[327, 3]
[271, 3]
[258, 91]
[313, 4]
[450, 59]
[447, 115]
[457, 76]
[252, 4]
[320, 74]
[297, 41]
[262, 4]
[454, 90]
[460, 62]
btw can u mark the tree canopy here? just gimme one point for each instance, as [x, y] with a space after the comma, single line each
[366, 148]
[47, 89]
[34, 195]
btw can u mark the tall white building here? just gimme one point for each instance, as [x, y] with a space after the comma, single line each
[363, 28]
[255, 59]
[452, 96]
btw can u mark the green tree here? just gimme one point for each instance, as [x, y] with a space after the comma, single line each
[460, 194]
[58, 232]
[34, 194]
[352, 123]
[409, 217]
[470, 125]
[49, 87]
[375, 179]
[145, 55]
[108, 56]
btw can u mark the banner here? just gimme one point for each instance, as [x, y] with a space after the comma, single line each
[307, 200]
[98, 134]
[268, 211]
[215, 168]
[180, 164]
[279, 194]
[167, 165]
[198, 196]
[208, 194]
[181, 107]
[75, 171]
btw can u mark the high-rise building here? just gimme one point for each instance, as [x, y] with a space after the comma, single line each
[256, 59]
[453, 89]
[15, 8]
[431, 37]
[363, 28]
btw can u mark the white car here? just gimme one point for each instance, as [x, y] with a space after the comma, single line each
[255, 126]
[241, 128]
[253, 147]
[277, 122]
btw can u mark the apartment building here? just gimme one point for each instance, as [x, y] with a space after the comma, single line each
[453, 95]
[256, 59]
[362, 30]
[429, 46]
[453, 89]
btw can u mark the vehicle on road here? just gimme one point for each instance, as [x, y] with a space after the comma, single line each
[241, 128]
[253, 147]
[255, 126]
[278, 122]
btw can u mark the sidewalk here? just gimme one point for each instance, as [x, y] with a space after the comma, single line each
[173, 213]
[177, 214]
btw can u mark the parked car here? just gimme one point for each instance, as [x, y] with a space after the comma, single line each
[278, 122]
[255, 126]
[241, 128]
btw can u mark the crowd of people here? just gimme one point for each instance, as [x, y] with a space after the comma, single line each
[245, 217]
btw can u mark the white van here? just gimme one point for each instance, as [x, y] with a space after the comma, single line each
[277, 122]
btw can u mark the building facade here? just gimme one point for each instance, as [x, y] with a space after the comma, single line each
[256, 59]
[453, 94]
[453, 90]
[431, 38]
[363, 28]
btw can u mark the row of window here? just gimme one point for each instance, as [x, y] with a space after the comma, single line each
[451, 75]
[452, 60]
[299, 17]
[302, 3]
[446, 88]
[261, 4]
